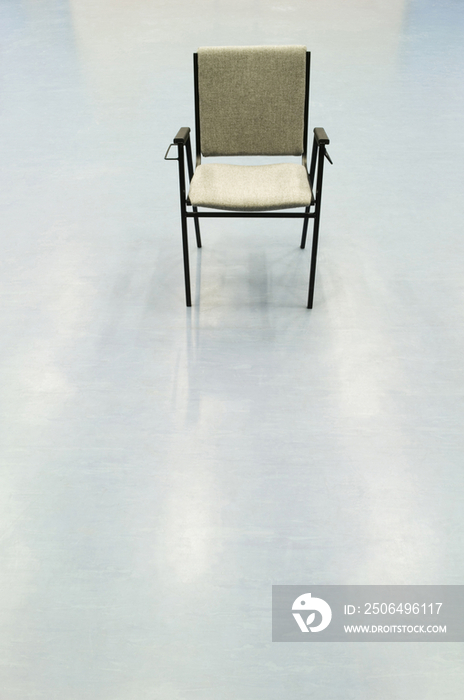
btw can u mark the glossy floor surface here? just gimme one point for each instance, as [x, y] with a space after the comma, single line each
[161, 468]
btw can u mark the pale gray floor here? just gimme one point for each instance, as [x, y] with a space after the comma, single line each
[162, 468]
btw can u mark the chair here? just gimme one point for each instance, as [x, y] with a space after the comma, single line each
[251, 101]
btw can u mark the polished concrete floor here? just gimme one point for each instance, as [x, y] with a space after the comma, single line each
[161, 468]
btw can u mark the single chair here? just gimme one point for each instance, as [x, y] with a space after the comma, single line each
[251, 101]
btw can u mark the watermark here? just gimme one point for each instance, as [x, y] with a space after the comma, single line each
[367, 613]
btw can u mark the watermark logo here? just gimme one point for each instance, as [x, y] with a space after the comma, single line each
[367, 613]
[306, 602]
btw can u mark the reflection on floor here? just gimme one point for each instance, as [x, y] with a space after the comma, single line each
[162, 468]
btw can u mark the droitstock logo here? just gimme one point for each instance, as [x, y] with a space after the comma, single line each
[307, 603]
[355, 613]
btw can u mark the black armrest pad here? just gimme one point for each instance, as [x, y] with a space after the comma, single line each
[182, 135]
[320, 136]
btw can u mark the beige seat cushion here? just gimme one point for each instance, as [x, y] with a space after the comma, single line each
[250, 187]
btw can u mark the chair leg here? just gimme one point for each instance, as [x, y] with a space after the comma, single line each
[188, 298]
[197, 228]
[312, 274]
[305, 230]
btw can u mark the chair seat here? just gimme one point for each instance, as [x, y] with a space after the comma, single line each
[250, 187]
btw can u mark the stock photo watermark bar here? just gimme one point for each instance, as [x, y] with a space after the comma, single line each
[367, 613]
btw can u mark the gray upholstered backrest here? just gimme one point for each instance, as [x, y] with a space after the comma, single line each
[252, 100]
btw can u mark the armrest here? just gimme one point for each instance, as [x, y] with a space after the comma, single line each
[320, 136]
[182, 138]
[182, 135]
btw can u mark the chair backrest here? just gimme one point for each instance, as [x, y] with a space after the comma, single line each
[251, 100]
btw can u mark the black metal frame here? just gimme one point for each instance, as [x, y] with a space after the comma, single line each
[318, 155]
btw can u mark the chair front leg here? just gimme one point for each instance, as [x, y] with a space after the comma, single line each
[181, 140]
[312, 273]
[183, 215]
[317, 215]
[319, 153]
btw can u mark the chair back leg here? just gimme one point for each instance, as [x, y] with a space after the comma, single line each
[317, 215]
[305, 229]
[195, 209]
[197, 228]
